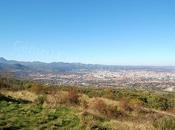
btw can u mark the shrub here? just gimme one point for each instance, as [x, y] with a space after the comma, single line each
[159, 102]
[109, 93]
[110, 111]
[84, 101]
[55, 98]
[124, 104]
[73, 96]
[171, 110]
[100, 106]
[136, 104]
[36, 88]
[165, 123]
[40, 99]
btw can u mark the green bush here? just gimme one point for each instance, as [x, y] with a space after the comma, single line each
[40, 100]
[159, 102]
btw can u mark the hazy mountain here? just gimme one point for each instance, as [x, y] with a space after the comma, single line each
[2, 60]
[55, 67]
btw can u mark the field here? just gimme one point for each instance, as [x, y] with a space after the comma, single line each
[26, 105]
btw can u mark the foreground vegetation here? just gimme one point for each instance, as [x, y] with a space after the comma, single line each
[26, 105]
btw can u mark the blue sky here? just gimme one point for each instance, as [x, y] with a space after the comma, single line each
[122, 32]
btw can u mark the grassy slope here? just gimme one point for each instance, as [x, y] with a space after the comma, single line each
[95, 108]
[16, 114]
[31, 116]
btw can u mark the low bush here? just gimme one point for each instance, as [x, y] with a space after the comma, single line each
[136, 104]
[84, 101]
[109, 93]
[111, 111]
[165, 123]
[56, 98]
[100, 106]
[36, 88]
[124, 104]
[73, 96]
[171, 110]
[41, 99]
[159, 102]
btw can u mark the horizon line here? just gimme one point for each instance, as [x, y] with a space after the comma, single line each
[132, 65]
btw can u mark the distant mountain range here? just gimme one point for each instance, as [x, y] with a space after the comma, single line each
[21, 67]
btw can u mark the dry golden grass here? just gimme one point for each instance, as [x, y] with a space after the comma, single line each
[103, 108]
[56, 98]
[84, 100]
[130, 125]
[24, 94]
[172, 110]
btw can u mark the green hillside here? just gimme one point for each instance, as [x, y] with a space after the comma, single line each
[26, 105]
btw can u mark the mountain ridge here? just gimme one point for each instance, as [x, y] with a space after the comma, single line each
[55, 67]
